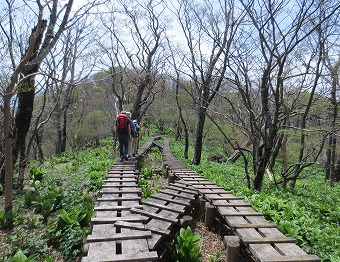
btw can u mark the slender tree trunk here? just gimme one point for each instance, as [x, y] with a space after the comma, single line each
[64, 131]
[22, 124]
[8, 154]
[199, 136]
[58, 133]
[334, 114]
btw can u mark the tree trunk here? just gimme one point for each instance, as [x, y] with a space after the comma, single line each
[237, 153]
[22, 124]
[64, 131]
[8, 155]
[199, 136]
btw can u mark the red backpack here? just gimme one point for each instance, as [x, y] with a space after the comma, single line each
[122, 123]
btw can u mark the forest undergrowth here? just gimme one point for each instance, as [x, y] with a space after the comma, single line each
[310, 212]
[51, 214]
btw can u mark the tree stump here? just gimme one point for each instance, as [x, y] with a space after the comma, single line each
[209, 215]
[232, 244]
[186, 221]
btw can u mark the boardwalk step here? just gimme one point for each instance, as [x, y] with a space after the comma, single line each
[120, 236]
[115, 208]
[153, 215]
[135, 257]
[143, 227]
[107, 220]
[179, 210]
[286, 252]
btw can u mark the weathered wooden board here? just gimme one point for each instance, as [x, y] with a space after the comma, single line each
[274, 253]
[245, 222]
[172, 199]
[114, 207]
[117, 191]
[175, 209]
[153, 215]
[106, 220]
[105, 252]
[262, 235]
[177, 193]
[120, 236]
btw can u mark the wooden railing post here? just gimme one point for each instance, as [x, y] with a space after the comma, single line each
[232, 244]
[209, 215]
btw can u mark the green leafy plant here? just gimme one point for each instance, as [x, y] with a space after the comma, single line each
[216, 257]
[20, 257]
[335, 259]
[72, 227]
[26, 241]
[36, 173]
[6, 218]
[48, 201]
[146, 186]
[147, 172]
[186, 248]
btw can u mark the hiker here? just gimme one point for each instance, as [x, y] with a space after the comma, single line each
[123, 134]
[128, 115]
[135, 128]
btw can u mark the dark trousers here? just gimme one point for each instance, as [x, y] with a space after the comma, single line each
[123, 144]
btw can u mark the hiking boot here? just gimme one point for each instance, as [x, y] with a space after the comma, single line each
[126, 158]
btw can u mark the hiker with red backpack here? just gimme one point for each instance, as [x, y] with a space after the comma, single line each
[123, 134]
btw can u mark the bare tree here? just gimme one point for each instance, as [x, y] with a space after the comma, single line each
[330, 48]
[143, 54]
[43, 38]
[209, 29]
[276, 44]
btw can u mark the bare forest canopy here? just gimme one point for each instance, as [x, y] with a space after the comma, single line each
[258, 80]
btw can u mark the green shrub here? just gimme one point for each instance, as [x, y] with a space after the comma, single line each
[36, 173]
[7, 218]
[20, 257]
[71, 228]
[186, 248]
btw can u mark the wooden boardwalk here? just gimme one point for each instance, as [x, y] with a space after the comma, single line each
[263, 239]
[127, 228]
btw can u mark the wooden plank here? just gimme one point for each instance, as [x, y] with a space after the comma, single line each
[153, 215]
[114, 208]
[120, 176]
[188, 187]
[143, 227]
[123, 171]
[268, 253]
[145, 256]
[183, 190]
[213, 191]
[176, 200]
[208, 187]
[263, 235]
[238, 213]
[123, 185]
[236, 222]
[164, 207]
[194, 180]
[111, 198]
[120, 236]
[171, 192]
[121, 179]
[230, 197]
[123, 191]
[228, 204]
[290, 249]
[107, 220]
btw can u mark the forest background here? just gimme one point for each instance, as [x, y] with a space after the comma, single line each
[257, 79]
